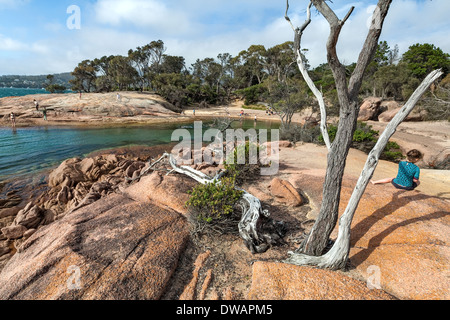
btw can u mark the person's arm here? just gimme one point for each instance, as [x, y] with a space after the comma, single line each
[417, 175]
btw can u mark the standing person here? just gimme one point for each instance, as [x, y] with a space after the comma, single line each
[193, 111]
[36, 104]
[119, 98]
[45, 113]
[12, 116]
[408, 173]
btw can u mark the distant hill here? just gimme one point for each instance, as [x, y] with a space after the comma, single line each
[37, 82]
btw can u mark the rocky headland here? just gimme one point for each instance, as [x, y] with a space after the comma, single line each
[124, 235]
[106, 227]
[89, 109]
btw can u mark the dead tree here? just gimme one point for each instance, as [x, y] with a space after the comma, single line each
[337, 256]
[348, 92]
[312, 247]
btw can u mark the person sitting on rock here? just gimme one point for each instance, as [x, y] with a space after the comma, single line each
[408, 173]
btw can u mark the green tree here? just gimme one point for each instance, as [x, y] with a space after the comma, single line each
[122, 72]
[172, 64]
[140, 59]
[85, 75]
[424, 58]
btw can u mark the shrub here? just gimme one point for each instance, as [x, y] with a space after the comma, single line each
[295, 133]
[363, 133]
[243, 171]
[392, 152]
[214, 201]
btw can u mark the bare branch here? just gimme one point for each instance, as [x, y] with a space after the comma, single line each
[369, 47]
[304, 72]
[348, 15]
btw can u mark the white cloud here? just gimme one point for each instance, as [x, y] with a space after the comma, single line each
[200, 29]
[12, 3]
[8, 44]
[142, 13]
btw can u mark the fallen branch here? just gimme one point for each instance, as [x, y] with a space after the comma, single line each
[252, 212]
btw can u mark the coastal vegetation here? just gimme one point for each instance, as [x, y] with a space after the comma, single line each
[256, 74]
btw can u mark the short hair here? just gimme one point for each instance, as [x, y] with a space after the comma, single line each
[414, 154]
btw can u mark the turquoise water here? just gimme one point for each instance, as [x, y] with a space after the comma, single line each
[27, 151]
[18, 92]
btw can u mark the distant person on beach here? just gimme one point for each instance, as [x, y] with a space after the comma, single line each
[408, 173]
[36, 104]
[45, 113]
[119, 98]
[193, 112]
[13, 119]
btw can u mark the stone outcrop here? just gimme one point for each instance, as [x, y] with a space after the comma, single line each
[403, 233]
[406, 235]
[285, 192]
[115, 248]
[91, 108]
[388, 115]
[169, 191]
[376, 109]
[370, 109]
[123, 239]
[279, 281]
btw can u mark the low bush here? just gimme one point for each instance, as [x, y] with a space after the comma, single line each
[214, 201]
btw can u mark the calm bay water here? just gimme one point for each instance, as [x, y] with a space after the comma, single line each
[19, 92]
[26, 151]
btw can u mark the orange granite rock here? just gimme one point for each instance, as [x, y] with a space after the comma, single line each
[279, 281]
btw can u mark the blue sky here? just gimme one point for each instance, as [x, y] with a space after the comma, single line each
[35, 39]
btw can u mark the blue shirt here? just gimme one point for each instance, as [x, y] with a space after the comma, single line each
[407, 171]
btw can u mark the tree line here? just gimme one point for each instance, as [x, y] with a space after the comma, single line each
[255, 74]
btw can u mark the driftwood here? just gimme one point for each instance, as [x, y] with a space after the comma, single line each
[256, 228]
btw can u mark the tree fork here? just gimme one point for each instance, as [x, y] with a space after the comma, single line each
[317, 240]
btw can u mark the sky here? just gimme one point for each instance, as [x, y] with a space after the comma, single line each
[53, 36]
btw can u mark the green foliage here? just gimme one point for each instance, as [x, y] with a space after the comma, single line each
[254, 107]
[252, 94]
[55, 88]
[364, 138]
[214, 201]
[308, 134]
[364, 133]
[424, 58]
[41, 81]
[392, 152]
[243, 171]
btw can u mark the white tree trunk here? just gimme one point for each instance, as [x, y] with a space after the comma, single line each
[337, 257]
[301, 65]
